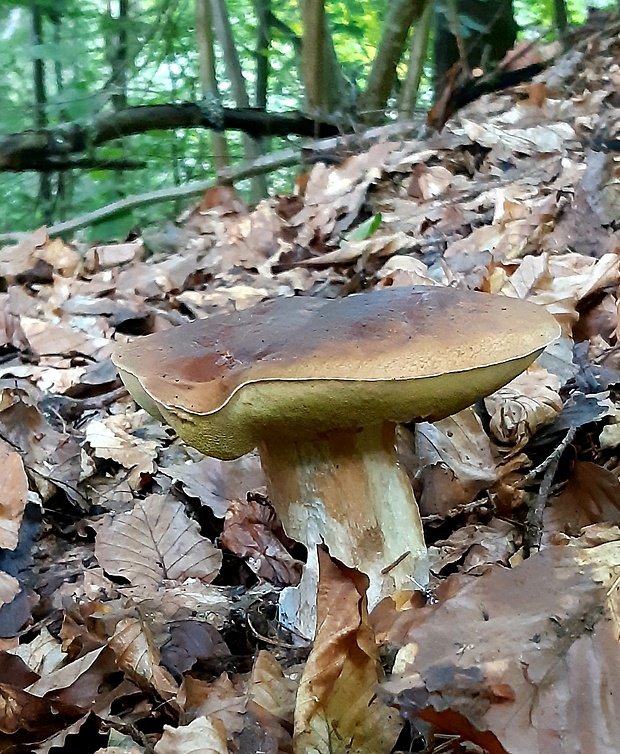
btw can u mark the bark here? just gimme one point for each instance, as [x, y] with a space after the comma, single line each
[401, 15]
[208, 78]
[119, 59]
[324, 84]
[262, 9]
[40, 104]
[417, 56]
[561, 17]
[54, 149]
[224, 34]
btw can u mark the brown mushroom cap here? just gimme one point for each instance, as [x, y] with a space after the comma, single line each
[295, 365]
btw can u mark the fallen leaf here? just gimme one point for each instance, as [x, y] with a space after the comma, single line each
[9, 588]
[202, 736]
[110, 438]
[13, 496]
[337, 710]
[455, 462]
[155, 542]
[518, 660]
[139, 658]
[591, 496]
[521, 407]
[253, 531]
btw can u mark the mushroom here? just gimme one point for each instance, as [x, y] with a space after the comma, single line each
[318, 386]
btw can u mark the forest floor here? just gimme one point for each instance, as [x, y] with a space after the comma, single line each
[139, 581]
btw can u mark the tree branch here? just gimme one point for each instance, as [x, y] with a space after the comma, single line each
[33, 150]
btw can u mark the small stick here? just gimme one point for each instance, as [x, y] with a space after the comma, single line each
[534, 520]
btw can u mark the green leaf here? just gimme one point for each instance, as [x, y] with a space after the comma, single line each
[366, 229]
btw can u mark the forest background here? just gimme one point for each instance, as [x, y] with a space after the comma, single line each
[228, 81]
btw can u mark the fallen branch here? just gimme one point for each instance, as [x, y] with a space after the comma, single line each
[51, 149]
[241, 171]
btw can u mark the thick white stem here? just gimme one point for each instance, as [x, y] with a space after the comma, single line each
[345, 489]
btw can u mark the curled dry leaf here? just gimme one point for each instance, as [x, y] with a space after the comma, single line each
[337, 710]
[13, 495]
[550, 137]
[9, 588]
[270, 707]
[252, 531]
[156, 542]
[455, 462]
[139, 658]
[43, 654]
[591, 496]
[220, 700]
[110, 438]
[520, 408]
[202, 736]
[217, 483]
[560, 281]
[476, 546]
[270, 689]
[519, 661]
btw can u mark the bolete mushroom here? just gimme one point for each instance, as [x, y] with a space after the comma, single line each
[318, 386]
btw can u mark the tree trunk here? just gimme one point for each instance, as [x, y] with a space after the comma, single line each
[119, 55]
[262, 9]
[417, 56]
[401, 15]
[224, 34]
[40, 104]
[208, 78]
[324, 84]
[482, 49]
[561, 18]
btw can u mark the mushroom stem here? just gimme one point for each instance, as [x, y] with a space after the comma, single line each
[344, 488]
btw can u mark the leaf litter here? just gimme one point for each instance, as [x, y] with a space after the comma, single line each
[139, 583]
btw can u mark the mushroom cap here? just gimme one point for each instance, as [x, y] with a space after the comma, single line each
[306, 365]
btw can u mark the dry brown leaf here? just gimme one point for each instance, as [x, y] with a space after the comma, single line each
[454, 460]
[53, 339]
[252, 531]
[110, 438]
[559, 282]
[109, 256]
[43, 654]
[270, 689]
[61, 257]
[156, 542]
[520, 661]
[377, 246]
[506, 141]
[476, 546]
[65, 676]
[524, 405]
[202, 736]
[139, 658]
[591, 496]
[9, 588]
[334, 196]
[11, 332]
[51, 456]
[219, 700]
[217, 483]
[13, 495]
[337, 711]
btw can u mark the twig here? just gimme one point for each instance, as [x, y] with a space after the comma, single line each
[534, 520]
